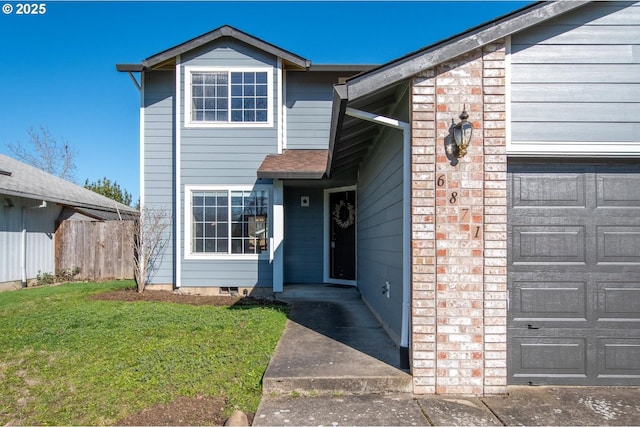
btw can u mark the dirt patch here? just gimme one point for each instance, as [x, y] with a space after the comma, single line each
[178, 298]
[184, 411]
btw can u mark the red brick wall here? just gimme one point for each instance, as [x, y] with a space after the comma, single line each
[459, 229]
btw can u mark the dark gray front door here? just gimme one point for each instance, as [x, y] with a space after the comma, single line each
[574, 274]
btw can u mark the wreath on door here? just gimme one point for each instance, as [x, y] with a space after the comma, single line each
[344, 214]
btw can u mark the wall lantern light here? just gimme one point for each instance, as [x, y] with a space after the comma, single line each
[461, 135]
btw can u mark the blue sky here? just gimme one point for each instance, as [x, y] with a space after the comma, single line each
[57, 69]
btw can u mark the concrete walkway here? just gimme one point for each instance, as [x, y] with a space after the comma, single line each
[523, 406]
[334, 365]
[332, 344]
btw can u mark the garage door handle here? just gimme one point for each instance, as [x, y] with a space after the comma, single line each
[531, 327]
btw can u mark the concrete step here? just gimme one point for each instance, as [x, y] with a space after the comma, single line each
[318, 292]
[337, 386]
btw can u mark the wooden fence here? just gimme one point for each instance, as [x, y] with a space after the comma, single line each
[100, 250]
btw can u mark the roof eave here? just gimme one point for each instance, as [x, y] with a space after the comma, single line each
[225, 31]
[69, 203]
[340, 99]
[430, 56]
[129, 68]
[290, 175]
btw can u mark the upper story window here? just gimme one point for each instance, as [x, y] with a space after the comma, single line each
[228, 97]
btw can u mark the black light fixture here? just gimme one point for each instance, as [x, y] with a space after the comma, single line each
[461, 135]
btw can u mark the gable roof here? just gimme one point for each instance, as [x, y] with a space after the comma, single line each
[32, 183]
[170, 54]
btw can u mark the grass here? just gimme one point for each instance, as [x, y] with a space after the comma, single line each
[66, 359]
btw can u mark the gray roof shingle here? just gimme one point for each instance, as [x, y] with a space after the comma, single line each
[30, 182]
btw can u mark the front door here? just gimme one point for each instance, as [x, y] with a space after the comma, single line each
[342, 236]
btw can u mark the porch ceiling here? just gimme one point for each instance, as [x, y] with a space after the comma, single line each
[354, 137]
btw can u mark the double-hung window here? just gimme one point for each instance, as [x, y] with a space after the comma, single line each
[228, 97]
[228, 221]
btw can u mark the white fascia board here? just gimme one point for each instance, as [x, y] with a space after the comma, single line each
[573, 149]
[178, 171]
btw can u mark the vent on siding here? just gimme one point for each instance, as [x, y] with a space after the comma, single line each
[229, 290]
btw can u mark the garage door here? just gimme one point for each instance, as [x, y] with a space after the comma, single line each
[574, 274]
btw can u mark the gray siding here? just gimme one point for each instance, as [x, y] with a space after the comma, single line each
[576, 79]
[159, 158]
[303, 236]
[40, 225]
[380, 230]
[309, 102]
[225, 156]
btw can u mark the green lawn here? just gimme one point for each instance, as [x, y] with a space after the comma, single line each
[67, 359]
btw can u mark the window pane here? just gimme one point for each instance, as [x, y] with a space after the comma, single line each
[210, 78]
[249, 103]
[223, 246]
[222, 229]
[249, 91]
[237, 229]
[261, 90]
[210, 103]
[236, 77]
[209, 214]
[249, 78]
[197, 91]
[236, 103]
[197, 78]
[209, 116]
[236, 246]
[236, 90]
[209, 245]
[209, 91]
[198, 246]
[198, 230]
[261, 116]
[249, 116]
[236, 116]
[261, 77]
[222, 116]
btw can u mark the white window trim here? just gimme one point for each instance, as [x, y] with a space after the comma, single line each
[188, 123]
[188, 191]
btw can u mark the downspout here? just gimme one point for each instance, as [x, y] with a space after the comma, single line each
[406, 221]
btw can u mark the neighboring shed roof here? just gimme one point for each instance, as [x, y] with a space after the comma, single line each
[294, 164]
[170, 54]
[32, 183]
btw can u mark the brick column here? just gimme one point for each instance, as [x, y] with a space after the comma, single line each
[495, 220]
[423, 156]
[459, 229]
